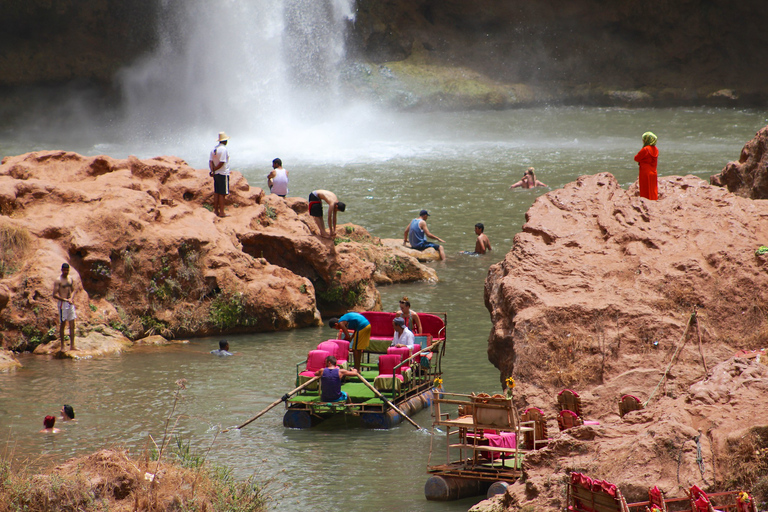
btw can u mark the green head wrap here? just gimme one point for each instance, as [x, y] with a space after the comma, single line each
[649, 139]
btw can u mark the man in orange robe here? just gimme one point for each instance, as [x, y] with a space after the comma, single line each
[647, 158]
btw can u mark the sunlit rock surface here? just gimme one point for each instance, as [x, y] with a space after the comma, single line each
[150, 258]
[597, 294]
[749, 176]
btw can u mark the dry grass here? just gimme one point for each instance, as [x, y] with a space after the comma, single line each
[112, 480]
[571, 360]
[168, 478]
[15, 241]
[679, 297]
[746, 465]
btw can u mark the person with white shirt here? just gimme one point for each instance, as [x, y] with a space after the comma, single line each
[278, 179]
[218, 163]
[403, 335]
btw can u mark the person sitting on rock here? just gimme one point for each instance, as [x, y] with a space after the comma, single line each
[49, 423]
[67, 413]
[330, 381]
[223, 349]
[417, 233]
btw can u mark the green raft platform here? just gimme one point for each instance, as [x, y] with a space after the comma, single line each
[408, 383]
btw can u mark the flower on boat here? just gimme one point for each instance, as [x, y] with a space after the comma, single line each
[438, 382]
[655, 509]
[510, 383]
[744, 497]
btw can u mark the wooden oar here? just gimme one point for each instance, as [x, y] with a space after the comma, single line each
[377, 393]
[275, 403]
[423, 351]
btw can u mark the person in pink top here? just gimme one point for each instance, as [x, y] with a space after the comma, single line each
[647, 159]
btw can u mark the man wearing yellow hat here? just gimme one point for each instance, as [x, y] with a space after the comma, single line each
[218, 163]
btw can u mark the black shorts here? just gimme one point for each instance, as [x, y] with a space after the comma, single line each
[221, 184]
[315, 206]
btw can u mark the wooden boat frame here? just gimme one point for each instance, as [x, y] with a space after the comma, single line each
[413, 396]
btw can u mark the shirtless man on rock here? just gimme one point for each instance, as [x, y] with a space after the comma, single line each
[316, 199]
[64, 293]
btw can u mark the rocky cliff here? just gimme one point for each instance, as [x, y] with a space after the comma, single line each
[597, 295]
[150, 258]
[450, 53]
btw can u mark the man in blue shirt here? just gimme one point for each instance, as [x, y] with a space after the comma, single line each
[362, 336]
[416, 233]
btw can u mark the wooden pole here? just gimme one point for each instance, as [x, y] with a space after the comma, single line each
[701, 353]
[377, 393]
[275, 403]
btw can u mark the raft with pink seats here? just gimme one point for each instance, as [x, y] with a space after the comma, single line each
[405, 377]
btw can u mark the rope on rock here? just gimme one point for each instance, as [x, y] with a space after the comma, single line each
[684, 339]
[699, 458]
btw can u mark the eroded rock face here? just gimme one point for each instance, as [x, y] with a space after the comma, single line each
[601, 272]
[151, 259]
[597, 295]
[749, 176]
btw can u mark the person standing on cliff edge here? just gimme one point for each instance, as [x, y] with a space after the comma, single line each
[218, 163]
[647, 158]
[64, 293]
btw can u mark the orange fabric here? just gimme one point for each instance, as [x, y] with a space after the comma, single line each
[647, 158]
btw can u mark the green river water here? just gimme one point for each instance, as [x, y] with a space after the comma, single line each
[458, 166]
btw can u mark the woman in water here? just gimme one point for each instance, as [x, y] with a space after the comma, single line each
[529, 180]
[411, 317]
[647, 159]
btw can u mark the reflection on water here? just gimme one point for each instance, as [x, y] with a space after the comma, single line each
[458, 166]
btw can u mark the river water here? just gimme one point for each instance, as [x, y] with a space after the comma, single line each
[458, 166]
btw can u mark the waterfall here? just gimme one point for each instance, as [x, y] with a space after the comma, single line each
[253, 68]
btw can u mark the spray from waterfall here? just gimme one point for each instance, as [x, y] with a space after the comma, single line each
[265, 71]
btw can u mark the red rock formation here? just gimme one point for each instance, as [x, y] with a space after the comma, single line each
[151, 259]
[596, 294]
[749, 176]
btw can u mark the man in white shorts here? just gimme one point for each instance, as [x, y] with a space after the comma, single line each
[64, 293]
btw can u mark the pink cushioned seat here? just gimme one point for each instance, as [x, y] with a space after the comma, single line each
[403, 352]
[315, 361]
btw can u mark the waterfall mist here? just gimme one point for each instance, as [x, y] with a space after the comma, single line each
[265, 71]
[268, 72]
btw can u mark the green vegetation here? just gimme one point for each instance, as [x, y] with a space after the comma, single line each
[336, 294]
[396, 264]
[34, 337]
[93, 307]
[229, 310]
[350, 230]
[270, 212]
[126, 256]
[14, 243]
[339, 240]
[101, 270]
[208, 206]
[151, 326]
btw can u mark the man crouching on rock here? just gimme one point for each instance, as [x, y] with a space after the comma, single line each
[64, 293]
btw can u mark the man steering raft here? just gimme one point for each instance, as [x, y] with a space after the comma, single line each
[362, 336]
